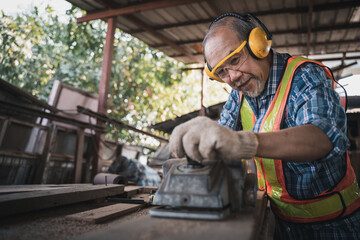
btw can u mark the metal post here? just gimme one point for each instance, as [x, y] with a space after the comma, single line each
[104, 89]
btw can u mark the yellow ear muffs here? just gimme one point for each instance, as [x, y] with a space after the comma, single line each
[211, 75]
[258, 43]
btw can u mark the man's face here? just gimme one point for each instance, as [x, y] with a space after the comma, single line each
[248, 76]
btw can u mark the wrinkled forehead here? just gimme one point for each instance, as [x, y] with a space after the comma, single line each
[219, 44]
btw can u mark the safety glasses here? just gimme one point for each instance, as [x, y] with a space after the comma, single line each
[236, 59]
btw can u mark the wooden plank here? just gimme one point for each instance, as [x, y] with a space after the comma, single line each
[30, 201]
[130, 191]
[105, 213]
[143, 196]
[35, 187]
[148, 189]
[19, 190]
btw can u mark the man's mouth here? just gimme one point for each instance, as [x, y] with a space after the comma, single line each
[244, 84]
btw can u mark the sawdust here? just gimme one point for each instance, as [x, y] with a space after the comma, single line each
[52, 224]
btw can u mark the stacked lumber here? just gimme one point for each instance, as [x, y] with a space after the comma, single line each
[19, 199]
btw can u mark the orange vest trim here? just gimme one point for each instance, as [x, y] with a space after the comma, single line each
[340, 201]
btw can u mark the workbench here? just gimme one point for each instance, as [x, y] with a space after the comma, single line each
[58, 222]
[146, 227]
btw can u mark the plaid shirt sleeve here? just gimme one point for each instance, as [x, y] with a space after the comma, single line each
[315, 102]
[230, 110]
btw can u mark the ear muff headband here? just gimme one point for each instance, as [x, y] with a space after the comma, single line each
[258, 42]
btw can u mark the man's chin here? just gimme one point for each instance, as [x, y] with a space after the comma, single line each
[255, 91]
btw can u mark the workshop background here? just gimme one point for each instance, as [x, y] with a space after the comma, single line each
[89, 85]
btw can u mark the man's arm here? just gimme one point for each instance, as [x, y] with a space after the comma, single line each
[298, 144]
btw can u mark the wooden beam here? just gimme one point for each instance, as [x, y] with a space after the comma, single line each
[305, 9]
[337, 59]
[130, 191]
[23, 122]
[17, 108]
[164, 39]
[213, 8]
[109, 3]
[325, 59]
[6, 85]
[316, 8]
[19, 154]
[347, 26]
[318, 43]
[274, 33]
[343, 66]
[174, 25]
[105, 118]
[179, 43]
[134, 8]
[16, 203]
[5, 189]
[302, 45]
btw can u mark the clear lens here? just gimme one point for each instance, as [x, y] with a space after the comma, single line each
[233, 63]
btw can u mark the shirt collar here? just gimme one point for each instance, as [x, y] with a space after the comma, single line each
[276, 69]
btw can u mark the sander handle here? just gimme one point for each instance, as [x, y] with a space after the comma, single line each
[192, 163]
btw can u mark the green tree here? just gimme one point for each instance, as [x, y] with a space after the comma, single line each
[146, 86]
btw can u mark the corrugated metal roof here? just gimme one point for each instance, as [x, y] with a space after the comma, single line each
[186, 22]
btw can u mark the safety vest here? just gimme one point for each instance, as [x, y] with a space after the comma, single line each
[342, 200]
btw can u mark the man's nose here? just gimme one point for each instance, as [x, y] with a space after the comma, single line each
[234, 75]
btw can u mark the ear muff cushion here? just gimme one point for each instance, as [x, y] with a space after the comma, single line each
[258, 43]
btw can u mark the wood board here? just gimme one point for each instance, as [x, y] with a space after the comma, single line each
[148, 189]
[130, 191]
[29, 201]
[6, 189]
[105, 213]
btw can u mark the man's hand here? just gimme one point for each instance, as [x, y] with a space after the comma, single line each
[201, 138]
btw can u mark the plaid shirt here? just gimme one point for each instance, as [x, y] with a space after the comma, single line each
[311, 101]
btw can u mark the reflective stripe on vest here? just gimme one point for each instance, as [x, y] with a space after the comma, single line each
[340, 201]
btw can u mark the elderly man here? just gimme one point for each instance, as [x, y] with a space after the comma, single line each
[291, 123]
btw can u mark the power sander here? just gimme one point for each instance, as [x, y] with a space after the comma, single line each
[213, 191]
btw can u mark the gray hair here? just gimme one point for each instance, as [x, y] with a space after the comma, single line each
[240, 27]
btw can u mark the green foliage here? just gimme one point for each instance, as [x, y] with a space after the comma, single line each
[35, 50]
[146, 86]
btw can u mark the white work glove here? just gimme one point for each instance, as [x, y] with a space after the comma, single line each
[203, 139]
